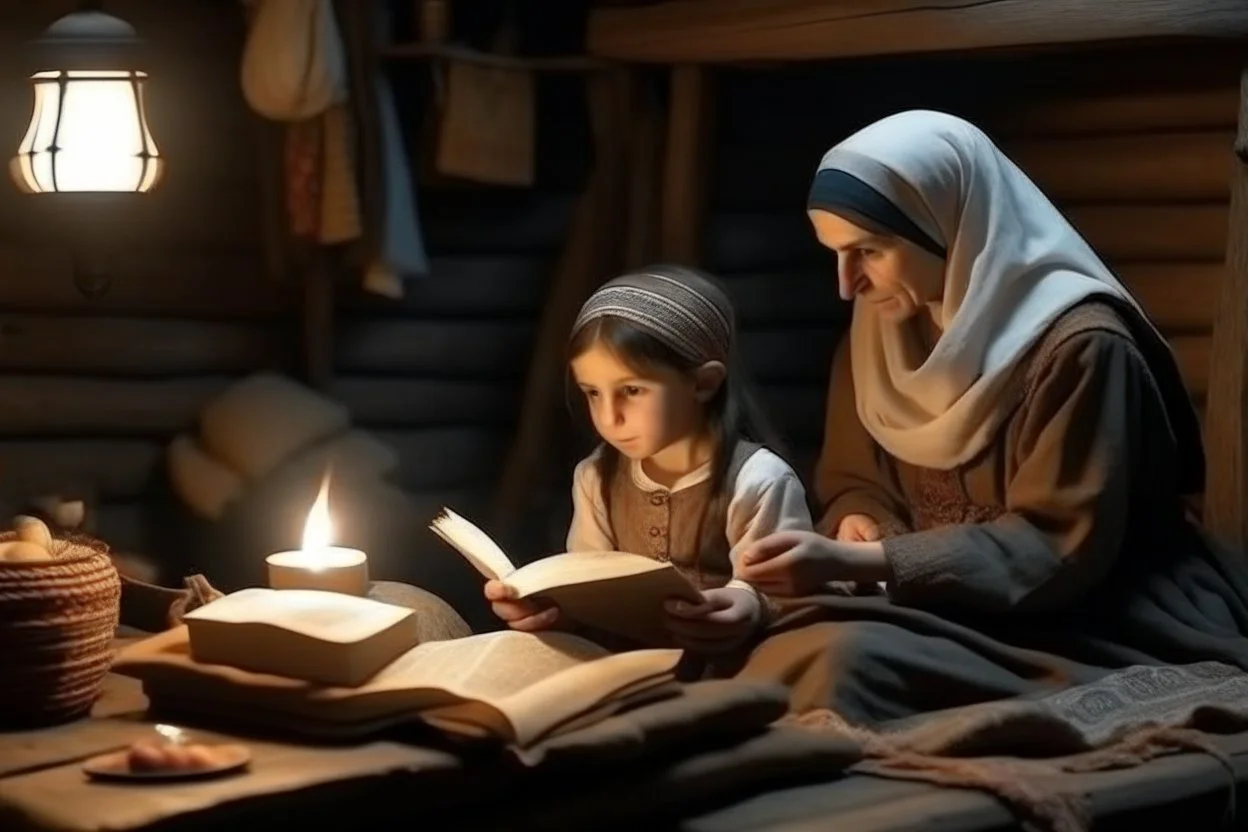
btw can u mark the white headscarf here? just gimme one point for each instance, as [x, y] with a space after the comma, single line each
[1013, 266]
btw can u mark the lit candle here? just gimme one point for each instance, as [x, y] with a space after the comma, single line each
[318, 564]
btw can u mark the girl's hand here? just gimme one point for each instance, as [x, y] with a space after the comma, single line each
[724, 620]
[801, 563]
[858, 528]
[526, 616]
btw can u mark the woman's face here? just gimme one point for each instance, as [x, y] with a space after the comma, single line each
[891, 272]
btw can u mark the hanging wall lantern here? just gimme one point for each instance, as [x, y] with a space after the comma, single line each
[88, 129]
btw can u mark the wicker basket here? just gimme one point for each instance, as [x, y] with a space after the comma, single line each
[58, 620]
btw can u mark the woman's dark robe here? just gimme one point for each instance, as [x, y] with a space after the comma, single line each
[1061, 551]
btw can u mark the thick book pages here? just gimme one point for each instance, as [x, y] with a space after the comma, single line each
[475, 545]
[518, 687]
[324, 637]
[617, 592]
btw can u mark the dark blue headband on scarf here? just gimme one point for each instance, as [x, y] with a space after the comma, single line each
[841, 193]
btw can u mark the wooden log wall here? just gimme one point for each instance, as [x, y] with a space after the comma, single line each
[92, 388]
[438, 374]
[1138, 158]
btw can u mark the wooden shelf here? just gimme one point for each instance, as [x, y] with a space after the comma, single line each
[558, 63]
[713, 31]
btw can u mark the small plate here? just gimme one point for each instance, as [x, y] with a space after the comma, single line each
[116, 766]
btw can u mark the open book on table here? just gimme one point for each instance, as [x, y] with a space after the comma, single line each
[517, 687]
[617, 592]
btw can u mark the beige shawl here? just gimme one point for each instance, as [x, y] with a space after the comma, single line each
[1014, 265]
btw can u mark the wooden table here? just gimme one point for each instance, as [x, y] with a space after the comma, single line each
[710, 743]
[43, 787]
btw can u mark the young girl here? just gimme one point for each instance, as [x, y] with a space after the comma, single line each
[682, 473]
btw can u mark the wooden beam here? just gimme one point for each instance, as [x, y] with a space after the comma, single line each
[137, 347]
[1181, 166]
[463, 54]
[1179, 297]
[115, 469]
[1136, 232]
[433, 348]
[686, 165]
[645, 173]
[1172, 166]
[503, 287]
[1226, 420]
[1121, 111]
[77, 406]
[185, 212]
[721, 31]
[144, 282]
[406, 402]
[1121, 233]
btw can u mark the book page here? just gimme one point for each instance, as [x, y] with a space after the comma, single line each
[513, 685]
[325, 616]
[475, 545]
[552, 701]
[489, 667]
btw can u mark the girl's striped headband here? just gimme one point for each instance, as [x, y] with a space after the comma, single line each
[683, 309]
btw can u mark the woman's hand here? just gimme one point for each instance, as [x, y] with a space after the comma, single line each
[800, 563]
[725, 619]
[526, 616]
[858, 528]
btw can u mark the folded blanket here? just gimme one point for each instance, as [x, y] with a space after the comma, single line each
[1006, 748]
[716, 708]
[658, 790]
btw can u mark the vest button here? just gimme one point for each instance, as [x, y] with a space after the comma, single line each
[654, 531]
[658, 498]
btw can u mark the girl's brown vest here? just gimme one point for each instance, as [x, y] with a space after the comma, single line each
[667, 525]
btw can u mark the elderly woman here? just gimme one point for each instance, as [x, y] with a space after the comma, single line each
[1007, 451]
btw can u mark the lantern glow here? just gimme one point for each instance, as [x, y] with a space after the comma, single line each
[88, 128]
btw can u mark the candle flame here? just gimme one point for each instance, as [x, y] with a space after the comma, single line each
[319, 530]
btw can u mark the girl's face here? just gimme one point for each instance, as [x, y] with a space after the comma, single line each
[897, 276]
[640, 415]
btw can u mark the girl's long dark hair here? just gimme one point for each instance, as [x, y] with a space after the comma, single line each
[733, 414]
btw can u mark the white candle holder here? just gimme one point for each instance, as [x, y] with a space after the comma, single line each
[331, 569]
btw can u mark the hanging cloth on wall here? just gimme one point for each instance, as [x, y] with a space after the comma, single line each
[312, 66]
[294, 70]
[293, 63]
[396, 244]
[485, 129]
